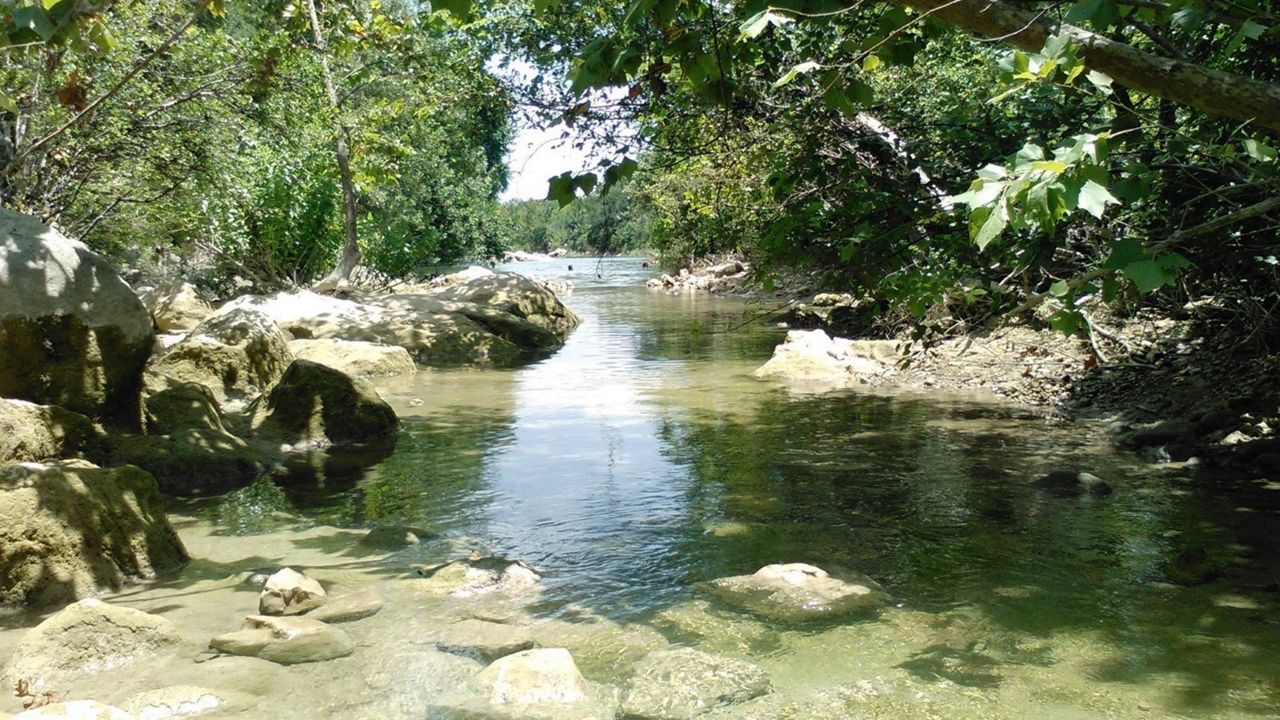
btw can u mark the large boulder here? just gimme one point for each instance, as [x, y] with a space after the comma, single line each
[813, 360]
[176, 307]
[41, 432]
[516, 295]
[85, 638]
[238, 354]
[182, 406]
[73, 333]
[797, 592]
[285, 640]
[355, 358]
[318, 406]
[75, 710]
[684, 683]
[534, 677]
[69, 529]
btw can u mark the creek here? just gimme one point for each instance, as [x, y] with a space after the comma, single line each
[643, 458]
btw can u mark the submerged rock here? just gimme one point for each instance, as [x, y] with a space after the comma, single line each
[684, 683]
[1072, 483]
[483, 640]
[479, 576]
[285, 640]
[193, 462]
[86, 637]
[237, 353]
[355, 358]
[318, 406]
[796, 592]
[31, 432]
[73, 333]
[75, 710]
[176, 701]
[289, 592]
[69, 529]
[532, 677]
[810, 359]
[349, 608]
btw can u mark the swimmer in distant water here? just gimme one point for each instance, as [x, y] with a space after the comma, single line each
[645, 265]
[570, 268]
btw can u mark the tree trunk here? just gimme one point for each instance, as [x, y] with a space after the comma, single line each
[350, 257]
[1207, 90]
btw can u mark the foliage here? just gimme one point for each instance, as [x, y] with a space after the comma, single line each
[619, 221]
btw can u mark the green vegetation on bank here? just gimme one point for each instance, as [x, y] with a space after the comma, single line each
[617, 222]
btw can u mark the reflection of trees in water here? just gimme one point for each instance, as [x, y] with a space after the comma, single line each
[696, 326]
[934, 500]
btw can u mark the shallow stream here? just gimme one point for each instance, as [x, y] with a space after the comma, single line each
[644, 458]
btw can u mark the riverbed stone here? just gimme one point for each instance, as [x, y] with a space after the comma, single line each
[483, 640]
[796, 592]
[356, 358]
[349, 607]
[176, 306]
[317, 406]
[238, 353]
[684, 683]
[69, 529]
[285, 640]
[1069, 483]
[31, 432]
[176, 701]
[395, 537]
[717, 629]
[517, 295]
[73, 333]
[289, 592]
[534, 677]
[84, 638]
[813, 360]
[75, 710]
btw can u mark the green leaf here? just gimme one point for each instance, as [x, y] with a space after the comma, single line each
[871, 63]
[804, 67]
[1102, 14]
[1053, 166]
[758, 23]
[35, 19]
[1060, 288]
[987, 224]
[1066, 321]
[7, 103]
[561, 189]
[1094, 199]
[1124, 252]
[1258, 150]
[460, 9]
[1150, 275]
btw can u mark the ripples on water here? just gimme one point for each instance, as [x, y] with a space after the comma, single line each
[643, 458]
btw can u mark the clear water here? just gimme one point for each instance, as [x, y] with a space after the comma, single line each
[644, 458]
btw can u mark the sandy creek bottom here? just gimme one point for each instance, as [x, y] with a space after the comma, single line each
[643, 459]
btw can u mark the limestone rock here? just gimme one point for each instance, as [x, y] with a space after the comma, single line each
[519, 296]
[193, 462]
[1069, 483]
[84, 638]
[289, 592]
[810, 359]
[237, 353]
[474, 272]
[796, 592]
[285, 640]
[683, 683]
[182, 406]
[74, 334]
[75, 710]
[176, 307]
[69, 529]
[483, 640]
[355, 358]
[31, 432]
[534, 677]
[349, 607]
[394, 537]
[172, 702]
[319, 406]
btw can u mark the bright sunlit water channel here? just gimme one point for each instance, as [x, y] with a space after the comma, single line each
[643, 458]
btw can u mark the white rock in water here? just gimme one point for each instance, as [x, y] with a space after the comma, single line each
[533, 677]
[349, 607]
[483, 640]
[289, 592]
[796, 592]
[813, 360]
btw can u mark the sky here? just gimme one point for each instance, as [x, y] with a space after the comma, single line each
[537, 155]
